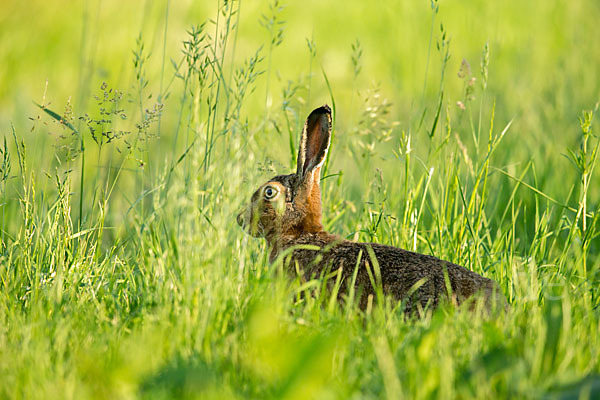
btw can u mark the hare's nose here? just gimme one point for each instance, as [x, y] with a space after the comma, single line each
[240, 219]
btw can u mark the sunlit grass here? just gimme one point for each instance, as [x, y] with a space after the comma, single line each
[123, 273]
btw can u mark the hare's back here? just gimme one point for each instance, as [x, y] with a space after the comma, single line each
[404, 272]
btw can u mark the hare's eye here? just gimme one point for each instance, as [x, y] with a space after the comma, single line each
[270, 192]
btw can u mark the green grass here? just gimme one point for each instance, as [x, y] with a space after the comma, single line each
[123, 273]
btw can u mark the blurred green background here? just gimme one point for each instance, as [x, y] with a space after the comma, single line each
[543, 54]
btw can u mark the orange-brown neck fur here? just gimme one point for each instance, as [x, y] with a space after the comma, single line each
[311, 223]
[307, 208]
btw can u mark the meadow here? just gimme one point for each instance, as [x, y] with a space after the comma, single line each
[134, 132]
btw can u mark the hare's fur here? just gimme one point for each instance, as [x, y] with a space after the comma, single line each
[286, 211]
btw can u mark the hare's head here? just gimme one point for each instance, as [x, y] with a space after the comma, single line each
[290, 205]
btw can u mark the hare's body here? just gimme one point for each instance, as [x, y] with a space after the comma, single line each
[287, 212]
[405, 275]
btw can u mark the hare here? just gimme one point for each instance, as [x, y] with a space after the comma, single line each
[286, 211]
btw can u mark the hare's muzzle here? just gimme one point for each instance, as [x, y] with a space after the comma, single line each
[246, 220]
[240, 218]
[244, 217]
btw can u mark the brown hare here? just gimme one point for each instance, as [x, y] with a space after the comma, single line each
[286, 211]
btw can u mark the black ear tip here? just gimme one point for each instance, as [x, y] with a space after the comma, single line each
[325, 109]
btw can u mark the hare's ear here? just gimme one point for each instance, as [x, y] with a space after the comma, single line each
[314, 142]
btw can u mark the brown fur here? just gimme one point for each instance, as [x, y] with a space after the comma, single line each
[417, 279]
[312, 206]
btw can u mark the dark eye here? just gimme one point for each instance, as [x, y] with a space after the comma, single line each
[270, 192]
